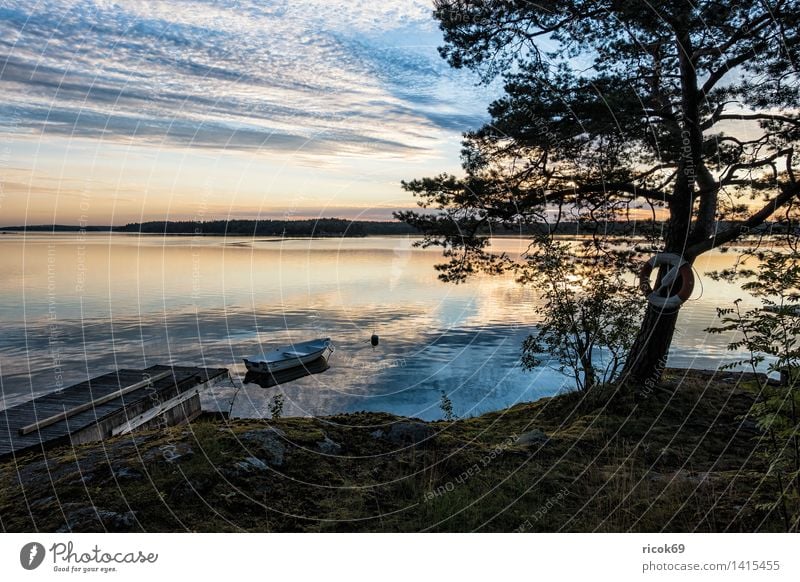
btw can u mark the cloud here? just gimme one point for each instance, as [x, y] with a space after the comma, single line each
[355, 77]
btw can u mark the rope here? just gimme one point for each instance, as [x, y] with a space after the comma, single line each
[702, 288]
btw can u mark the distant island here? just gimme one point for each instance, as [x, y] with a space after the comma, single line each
[341, 227]
[322, 227]
[318, 227]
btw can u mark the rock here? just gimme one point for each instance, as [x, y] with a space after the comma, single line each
[329, 447]
[402, 433]
[181, 452]
[245, 469]
[33, 469]
[170, 453]
[532, 438]
[77, 471]
[270, 442]
[377, 434]
[251, 463]
[80, 479]
[126, 474]
[43, 502]
[92, 518]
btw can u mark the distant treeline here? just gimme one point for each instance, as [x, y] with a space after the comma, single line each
[334, 227]
[337, 227]
[317, 227]
[55, 228]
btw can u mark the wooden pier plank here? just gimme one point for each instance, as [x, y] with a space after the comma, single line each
[14, 418]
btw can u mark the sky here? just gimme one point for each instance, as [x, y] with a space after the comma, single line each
[123, 111]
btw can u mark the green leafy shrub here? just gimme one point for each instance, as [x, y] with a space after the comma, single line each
[769, 334]
[446, 406]
[590, 315]
[276, 405]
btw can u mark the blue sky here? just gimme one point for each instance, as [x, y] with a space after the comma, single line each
[123, 111]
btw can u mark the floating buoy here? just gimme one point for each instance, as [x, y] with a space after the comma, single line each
[678, 268]
[374, 340]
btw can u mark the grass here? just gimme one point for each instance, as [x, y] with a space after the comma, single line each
[680, 460]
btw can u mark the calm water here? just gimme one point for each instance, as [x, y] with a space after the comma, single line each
[75, 307]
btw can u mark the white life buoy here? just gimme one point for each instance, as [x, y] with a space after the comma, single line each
[678, 268]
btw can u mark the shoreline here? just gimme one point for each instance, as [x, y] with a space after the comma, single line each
[753, 242]
[679, 460]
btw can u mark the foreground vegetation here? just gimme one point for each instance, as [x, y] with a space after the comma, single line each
[680, 458]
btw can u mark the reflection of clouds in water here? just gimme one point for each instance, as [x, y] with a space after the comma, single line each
[478, 372]
[401, 257]
[404, 374]
[464, 340]
[476, 365]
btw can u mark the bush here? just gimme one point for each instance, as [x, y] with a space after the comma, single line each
[590, 315]
[276, 405]
[770, 333]
[446, 406]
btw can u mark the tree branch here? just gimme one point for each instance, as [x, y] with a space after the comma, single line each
[731, 233]
[752, 117]
[730, 174]
[605, 187]
[724, 69]
[753, 28]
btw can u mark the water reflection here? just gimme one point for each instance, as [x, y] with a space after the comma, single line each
[74, 308]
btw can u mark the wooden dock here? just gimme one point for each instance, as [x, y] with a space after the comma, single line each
[105, 406]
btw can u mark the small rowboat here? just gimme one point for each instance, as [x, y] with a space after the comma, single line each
[292, 356]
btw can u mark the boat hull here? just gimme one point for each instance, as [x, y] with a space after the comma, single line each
[265, 367]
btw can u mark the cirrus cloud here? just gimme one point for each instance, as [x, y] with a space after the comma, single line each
[342, 77]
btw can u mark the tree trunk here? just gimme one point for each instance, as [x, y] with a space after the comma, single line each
[648, 356]
[589, 378]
